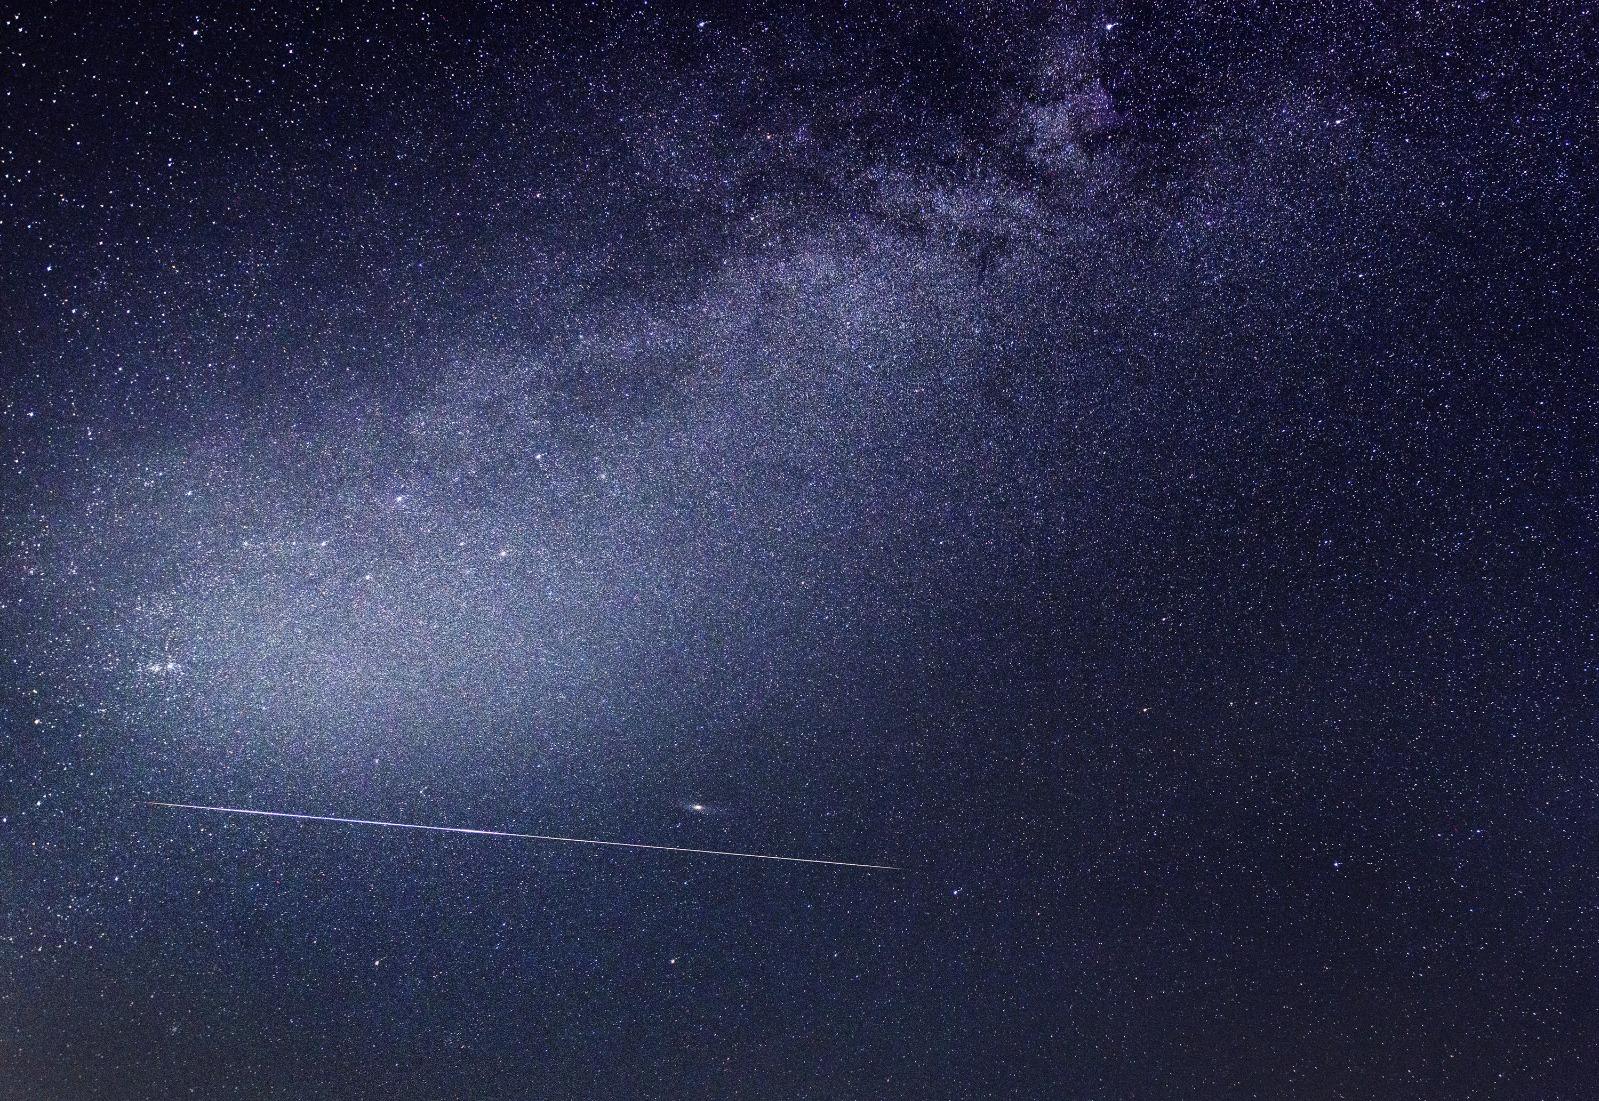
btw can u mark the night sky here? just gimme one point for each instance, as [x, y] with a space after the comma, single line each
[1132, 468]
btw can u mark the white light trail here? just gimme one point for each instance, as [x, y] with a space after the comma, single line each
[521, 836]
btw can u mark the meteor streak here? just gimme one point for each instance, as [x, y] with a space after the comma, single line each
[521, 836]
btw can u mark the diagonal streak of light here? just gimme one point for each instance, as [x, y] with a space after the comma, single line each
[521, 836]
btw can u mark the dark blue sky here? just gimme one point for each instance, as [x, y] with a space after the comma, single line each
[1131, 467]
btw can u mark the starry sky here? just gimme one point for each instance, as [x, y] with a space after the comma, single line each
[1131, 467]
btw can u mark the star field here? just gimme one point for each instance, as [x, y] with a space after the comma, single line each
[1130, 466]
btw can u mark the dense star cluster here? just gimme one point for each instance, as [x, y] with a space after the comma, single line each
[1130, 466]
